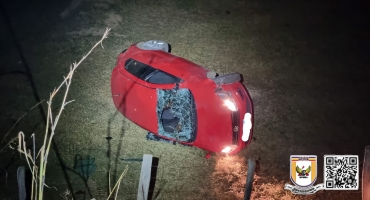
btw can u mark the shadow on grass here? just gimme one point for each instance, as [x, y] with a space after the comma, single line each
[109, 136]
[153, 178]
[84, 178]
[164, 182]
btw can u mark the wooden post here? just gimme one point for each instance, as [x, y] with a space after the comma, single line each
[21, 183]
[366, 175]
[250, 177]
[145, 177]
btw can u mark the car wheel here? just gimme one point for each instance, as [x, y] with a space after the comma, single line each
[154, 45]
[227, 78]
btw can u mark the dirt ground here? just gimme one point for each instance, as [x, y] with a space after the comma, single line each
[305, 64]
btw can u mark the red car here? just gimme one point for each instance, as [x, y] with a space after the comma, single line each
[180, 101]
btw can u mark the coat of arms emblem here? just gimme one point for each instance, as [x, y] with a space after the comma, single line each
[303, 174]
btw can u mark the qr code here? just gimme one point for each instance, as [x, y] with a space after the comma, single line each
[341, 172]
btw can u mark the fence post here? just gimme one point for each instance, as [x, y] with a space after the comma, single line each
[250, 177]
[145, 176]
[366, 175]
[21, 183]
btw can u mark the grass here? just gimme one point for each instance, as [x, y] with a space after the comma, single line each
[297, 61]
[39, 171]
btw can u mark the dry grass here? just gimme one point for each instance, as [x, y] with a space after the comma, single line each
[294, 60]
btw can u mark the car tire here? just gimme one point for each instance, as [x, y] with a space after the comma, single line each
[227, 79]
[154, 45]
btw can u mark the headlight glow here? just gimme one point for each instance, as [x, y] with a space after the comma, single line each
[228, 149]
[230, 105]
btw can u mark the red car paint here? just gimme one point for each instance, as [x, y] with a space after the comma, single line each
[136, 99]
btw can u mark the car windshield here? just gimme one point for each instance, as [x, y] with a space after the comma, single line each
[149, 74]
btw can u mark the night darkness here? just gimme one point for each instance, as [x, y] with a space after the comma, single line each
[306, 65]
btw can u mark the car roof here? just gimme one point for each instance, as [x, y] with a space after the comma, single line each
[167, 62]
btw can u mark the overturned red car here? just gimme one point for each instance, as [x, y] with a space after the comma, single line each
[180, 101]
